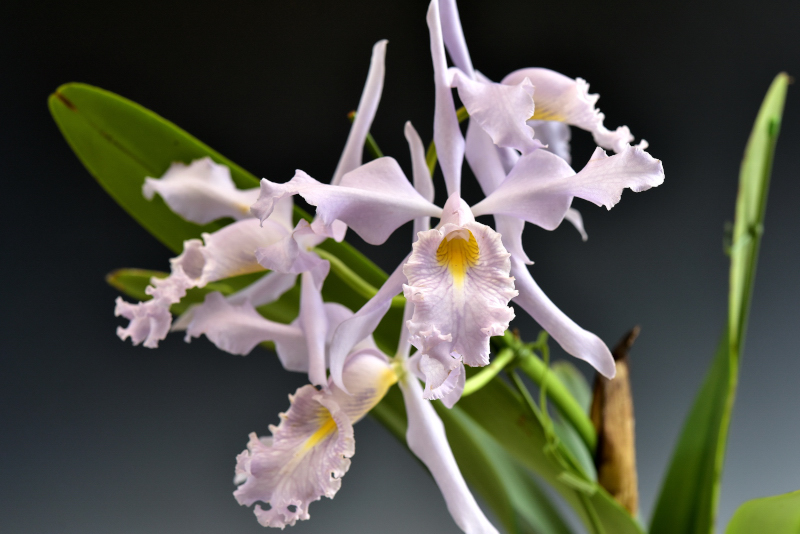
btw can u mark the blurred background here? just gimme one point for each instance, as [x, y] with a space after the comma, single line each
[100, 436]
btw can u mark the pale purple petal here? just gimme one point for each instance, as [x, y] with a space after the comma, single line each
[201, 192]
[602, 180]
[450, 399]
[266, 289]
[367, 106]
[436, 365]
[362, 324]
[289, 255]
[458, 280]
[453, 36]
[510, 228]
[575, 218]
[446, 130]
[368, 375]
[502, 110]
[422, 177]
[555, 136]
[239, 328]
[533, 191]
[427, 440]
[373, 200]
[315, 328]
[560, 98]
[572, 338]
[309, 454]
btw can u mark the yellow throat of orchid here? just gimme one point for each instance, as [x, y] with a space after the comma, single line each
[458, 251]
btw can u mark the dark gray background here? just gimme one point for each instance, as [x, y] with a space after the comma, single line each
[99, 436]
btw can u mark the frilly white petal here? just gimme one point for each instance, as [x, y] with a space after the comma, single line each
[555, 136]
[289, 256]
[309, 454]
[602, 180]
[446, 130]
[427, 440]
[572, 338]
[440, 369]
[367, 107]
[560, 98]
[150, 320]
[502, 110]
[540, 187]
[373, 200]
[460, 291]
[201, 192]
[362, 324]
[309, 451]
[227, 252]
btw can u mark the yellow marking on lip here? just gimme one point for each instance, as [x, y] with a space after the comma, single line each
[327, 428]
[458, 251]
[542, 113]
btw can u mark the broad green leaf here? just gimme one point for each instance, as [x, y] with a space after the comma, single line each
[779, 514]
[506, 487]
[690, 492]
[501, 412]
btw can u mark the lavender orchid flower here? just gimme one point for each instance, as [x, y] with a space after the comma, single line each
[459, 273]
[204, 191]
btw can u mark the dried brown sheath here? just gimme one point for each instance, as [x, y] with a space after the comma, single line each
[612, 417]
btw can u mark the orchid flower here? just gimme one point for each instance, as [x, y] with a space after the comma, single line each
[459, 273]
[204, 191]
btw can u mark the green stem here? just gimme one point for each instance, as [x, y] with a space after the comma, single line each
[369, 144]
[355, 282]
[567, 406]
[486, 374]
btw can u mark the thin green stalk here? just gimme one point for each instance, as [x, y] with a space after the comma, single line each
[486, 374]
[567, 406]
[355, 282]
[369, 144]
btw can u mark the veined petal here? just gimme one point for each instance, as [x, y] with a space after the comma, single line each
[540, 187]
[201, 192]
[554, 136]
[459, 283]
[239, 328]
[560, 98]
[370, 98]
[309, 451]
[446, 130]
[373, 200]
[501, 109]
[572, 338]
[427, 440]
[440, 369]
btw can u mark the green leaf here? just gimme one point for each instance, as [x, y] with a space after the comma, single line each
[121, 143]
[779, 514]
[502, 413]
[690, 492]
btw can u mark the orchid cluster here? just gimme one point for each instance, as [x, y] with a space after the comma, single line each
[458, 279]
